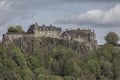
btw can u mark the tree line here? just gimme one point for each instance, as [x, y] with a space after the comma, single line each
[62, 63]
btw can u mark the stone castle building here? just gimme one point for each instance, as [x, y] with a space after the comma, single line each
[46, 31]
[35, 31]
[87, 37]
[79, 35]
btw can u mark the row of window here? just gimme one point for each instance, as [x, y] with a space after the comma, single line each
[50, 29]
[48, 34]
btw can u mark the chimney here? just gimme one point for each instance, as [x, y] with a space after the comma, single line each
[50, 25]
[43, 25]
[78, 29]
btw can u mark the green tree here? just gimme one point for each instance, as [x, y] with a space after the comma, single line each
[94, 66]
[71, 68]
[18, 57]
[12, 29]
[33, 62]
[112, 38]
[16, 29]
[19, 28]
[107, 51]
[26, 74]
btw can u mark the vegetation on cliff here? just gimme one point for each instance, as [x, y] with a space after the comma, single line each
[112, 38]
[16, 29]
[59, 63]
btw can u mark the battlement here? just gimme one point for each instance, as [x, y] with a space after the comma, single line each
[46, 31]
[36, 27]
[86, 36]
[79, 34]
[49, 28]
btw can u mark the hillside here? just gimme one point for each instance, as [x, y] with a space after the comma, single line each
[26, 57]
[40, 44]
[56, 60]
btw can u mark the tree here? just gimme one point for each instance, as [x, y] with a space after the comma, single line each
[112, 38]
[16, 29]
[93, 66]
[19, 28]
[12, 29]
[33, 62]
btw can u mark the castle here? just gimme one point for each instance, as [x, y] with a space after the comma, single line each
[86, 37]
[46, 31]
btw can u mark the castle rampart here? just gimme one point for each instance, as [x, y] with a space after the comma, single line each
[86, 37]
[46, 31]
[11, 37]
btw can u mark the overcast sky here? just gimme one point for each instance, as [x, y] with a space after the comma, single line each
[102, 16]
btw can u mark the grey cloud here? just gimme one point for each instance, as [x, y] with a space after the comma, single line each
[10, 9]
[92, 0]
[95, 17]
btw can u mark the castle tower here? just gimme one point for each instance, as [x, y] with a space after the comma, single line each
[34, 29]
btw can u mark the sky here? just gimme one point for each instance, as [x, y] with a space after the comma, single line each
[102, 16]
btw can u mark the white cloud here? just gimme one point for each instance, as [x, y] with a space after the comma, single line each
[9, 13]
[23, 9]
[95, 18]
[10, 9]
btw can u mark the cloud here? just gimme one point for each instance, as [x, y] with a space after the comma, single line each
[8, 12]
[23, 9]
[108, 1]
[11, 9]
[94, 17]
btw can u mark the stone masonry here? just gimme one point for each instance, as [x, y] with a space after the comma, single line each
[86, 36]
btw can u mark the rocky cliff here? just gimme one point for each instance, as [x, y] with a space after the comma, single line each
[41, 44]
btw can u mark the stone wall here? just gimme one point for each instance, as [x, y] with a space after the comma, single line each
[33, 45]
[86, 37]
[53, 34]
[12, 37]
[46, 31]
[79, 35]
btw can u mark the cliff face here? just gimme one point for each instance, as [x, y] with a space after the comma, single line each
[41, 44]
[49, 37]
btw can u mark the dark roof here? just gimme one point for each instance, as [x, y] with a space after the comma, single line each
[49, 28]
[76, 33]
[35, 26]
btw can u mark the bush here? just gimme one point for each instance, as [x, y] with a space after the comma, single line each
[112, 38]
[18, 29]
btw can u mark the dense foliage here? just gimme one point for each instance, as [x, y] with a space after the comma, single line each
[18, 29]
[60, 63]
[112, 38]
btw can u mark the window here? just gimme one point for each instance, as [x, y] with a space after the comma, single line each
[48, 34]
